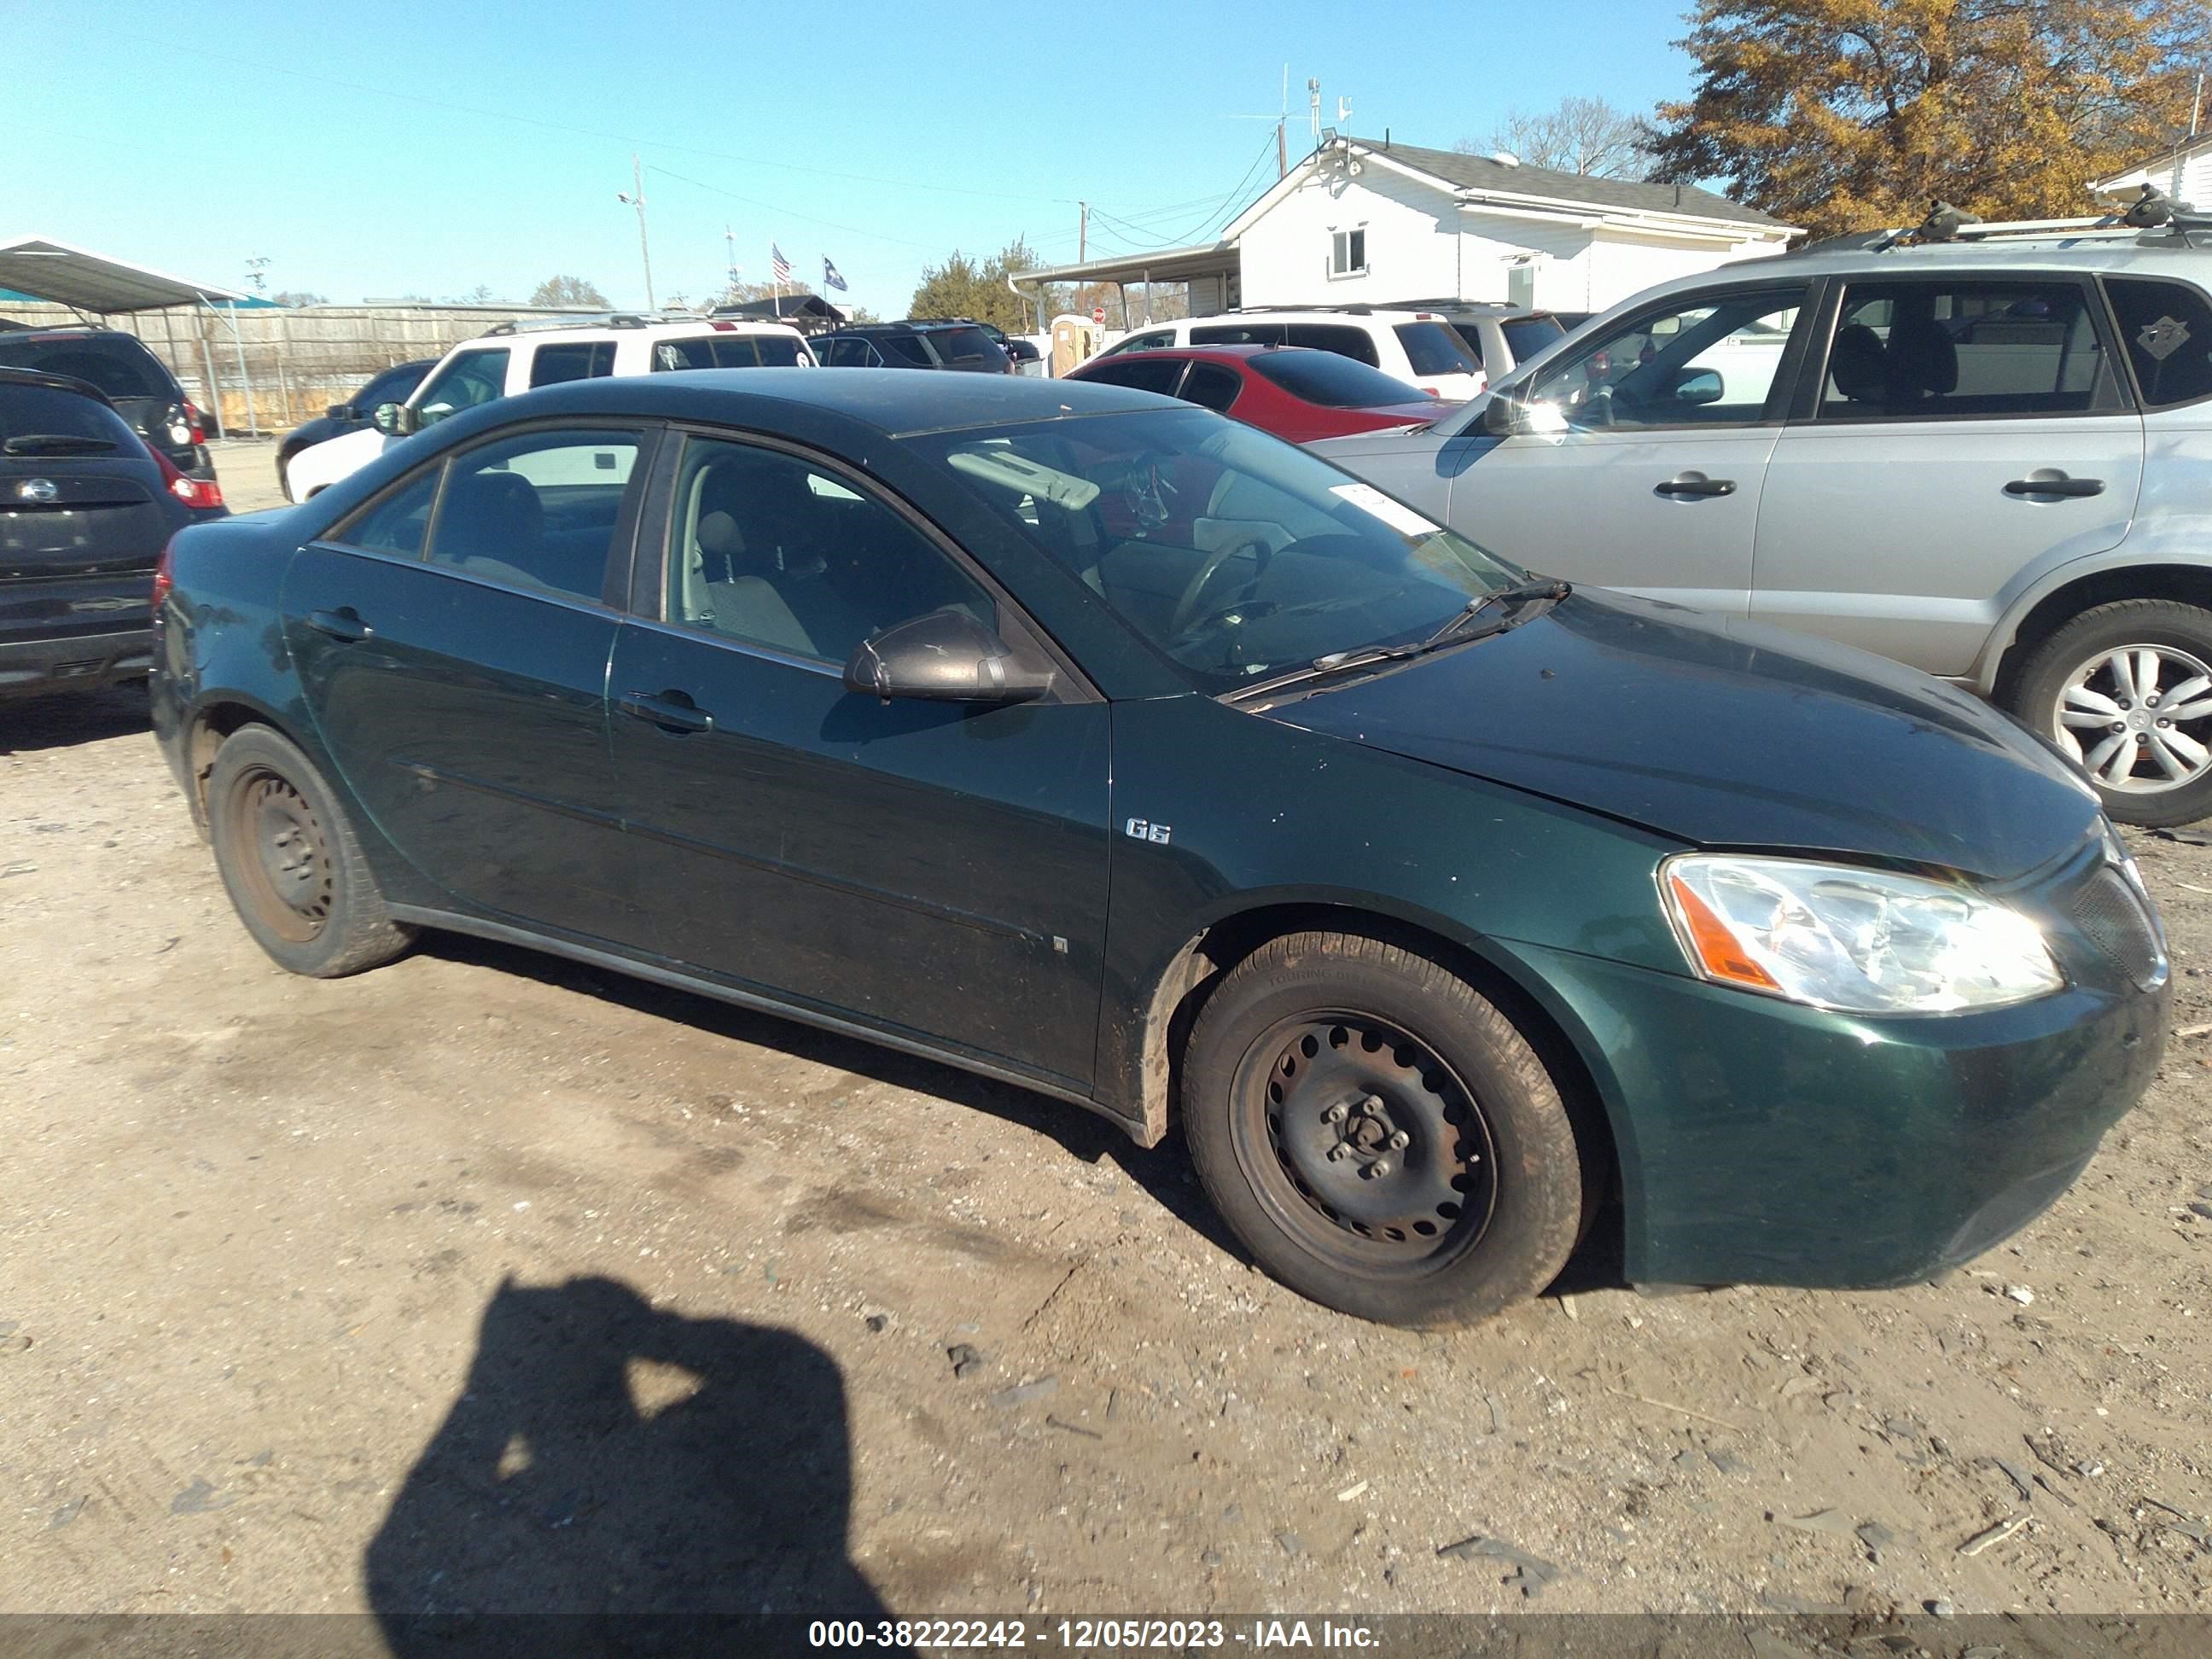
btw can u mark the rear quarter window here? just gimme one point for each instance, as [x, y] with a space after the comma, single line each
[2167, 327]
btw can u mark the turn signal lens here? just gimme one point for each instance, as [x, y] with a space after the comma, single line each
[1717, 952]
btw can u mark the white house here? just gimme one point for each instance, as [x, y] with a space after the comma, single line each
[1365, 221]
[2185, 172]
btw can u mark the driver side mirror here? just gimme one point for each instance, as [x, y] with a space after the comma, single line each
[946, 656]
[395, 420]
[1698, 386]
[1508, 416]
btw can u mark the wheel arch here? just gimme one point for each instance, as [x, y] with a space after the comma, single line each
[1191, 974]
[2186, 584]
[213, 718]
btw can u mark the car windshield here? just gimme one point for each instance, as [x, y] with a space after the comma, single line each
[1335, 382]
[119, 367]
[1236, 555]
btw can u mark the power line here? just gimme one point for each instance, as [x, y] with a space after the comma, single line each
[1131, 233]
[789, 213]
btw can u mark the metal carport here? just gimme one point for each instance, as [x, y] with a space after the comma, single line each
[92, 284]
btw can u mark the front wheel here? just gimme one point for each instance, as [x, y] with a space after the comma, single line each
[1379, 1134]
[2126, 690]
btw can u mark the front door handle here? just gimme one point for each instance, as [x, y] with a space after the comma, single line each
[1696, 483]
[672, 711]
[342, 624]
[2055, 483]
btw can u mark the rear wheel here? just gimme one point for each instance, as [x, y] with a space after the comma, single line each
[2126, 690]
[1379, 1134]
[295, 872]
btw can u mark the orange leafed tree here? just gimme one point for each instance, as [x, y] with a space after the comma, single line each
[1853, 114]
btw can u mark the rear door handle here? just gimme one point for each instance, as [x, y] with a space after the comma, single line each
[1693, 483]
[2058, 484]
[341, 624]
[672, 711]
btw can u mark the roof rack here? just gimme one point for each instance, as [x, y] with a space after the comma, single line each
[2151, 212]
[587, 319]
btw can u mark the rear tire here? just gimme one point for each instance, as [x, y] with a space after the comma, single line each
[1380, 1135]
[2079, 688]
[291, 862]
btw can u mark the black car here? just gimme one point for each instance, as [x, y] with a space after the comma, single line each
[1018, 351]
[922, 344]
[393, 386]
[86, 507]
[1094, 742]
[138, 383]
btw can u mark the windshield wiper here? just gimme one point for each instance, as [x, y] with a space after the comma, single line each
[1453, 627]
[55, 443]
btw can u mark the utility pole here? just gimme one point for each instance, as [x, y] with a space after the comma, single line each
[1282, 141]
[1083, 234]
[730, 256]
[637, 201]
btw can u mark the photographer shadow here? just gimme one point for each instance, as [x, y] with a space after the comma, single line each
[612, 1473]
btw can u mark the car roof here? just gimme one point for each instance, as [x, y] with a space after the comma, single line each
[1242, 351]
[892, 401]
[656, 331]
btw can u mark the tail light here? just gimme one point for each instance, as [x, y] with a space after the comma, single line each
[164, 580]
[192, 492]
[197, 421]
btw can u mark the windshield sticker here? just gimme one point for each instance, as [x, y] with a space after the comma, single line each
[1373, 503]
[2162, 339]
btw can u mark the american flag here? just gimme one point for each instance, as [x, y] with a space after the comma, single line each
[779, 267]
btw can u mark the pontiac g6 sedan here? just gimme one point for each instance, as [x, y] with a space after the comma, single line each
[1095, 742]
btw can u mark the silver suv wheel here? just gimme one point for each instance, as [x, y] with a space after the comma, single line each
[2139, 718]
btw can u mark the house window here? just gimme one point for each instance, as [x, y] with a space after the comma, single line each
[1347, 252]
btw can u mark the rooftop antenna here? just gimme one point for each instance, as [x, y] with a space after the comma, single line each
[1343, 110]
[1282, 120]
[1313, 101]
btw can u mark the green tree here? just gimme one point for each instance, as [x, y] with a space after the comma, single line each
[568, 291]
[1852, 114]
[962, 286]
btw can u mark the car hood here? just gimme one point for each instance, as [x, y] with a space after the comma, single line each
[1723, 732]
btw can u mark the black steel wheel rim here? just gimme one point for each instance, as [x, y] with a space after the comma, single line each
[286, 864]
[1363, 1145]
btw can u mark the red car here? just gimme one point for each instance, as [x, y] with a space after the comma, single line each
[1293, 392]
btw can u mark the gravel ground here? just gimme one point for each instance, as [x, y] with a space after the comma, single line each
[487, 1281]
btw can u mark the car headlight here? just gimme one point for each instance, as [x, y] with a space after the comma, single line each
[1866, 941]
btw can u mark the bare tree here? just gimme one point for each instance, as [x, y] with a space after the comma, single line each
[1580, 134]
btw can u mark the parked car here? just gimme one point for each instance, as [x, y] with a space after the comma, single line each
[1292, 392]
[1432, 902]
[1982, 457]
[517, 357]
[393, 386]
[925, 344]
[86, 506]
[136, 384]
[1420, 347]
[1019, 352]
[1498, 337]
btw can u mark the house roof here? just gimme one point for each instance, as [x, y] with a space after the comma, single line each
[1481, 173]
[2186, 149]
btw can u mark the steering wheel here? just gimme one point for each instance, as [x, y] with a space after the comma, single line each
[1186, 611]
[1147, 490]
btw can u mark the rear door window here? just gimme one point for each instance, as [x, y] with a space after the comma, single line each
[1211, 386]
[572, 360]
[1966, 349]
[2167, 330]
[1431, 349]
[1142, 374]
[397, 522]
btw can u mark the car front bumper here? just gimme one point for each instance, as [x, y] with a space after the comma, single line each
[83, 662]
[1765, 1142]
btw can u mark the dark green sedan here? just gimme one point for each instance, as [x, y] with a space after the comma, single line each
[1096, 743]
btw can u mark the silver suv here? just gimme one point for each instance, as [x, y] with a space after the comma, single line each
[1984, 450]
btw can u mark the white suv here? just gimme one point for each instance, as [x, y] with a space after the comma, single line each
[1417, 347]
[519, 356]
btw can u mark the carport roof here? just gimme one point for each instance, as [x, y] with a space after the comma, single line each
[47, 269]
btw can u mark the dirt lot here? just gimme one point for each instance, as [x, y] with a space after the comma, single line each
[484, 1281]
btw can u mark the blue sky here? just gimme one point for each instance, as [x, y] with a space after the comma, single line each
[411, 148]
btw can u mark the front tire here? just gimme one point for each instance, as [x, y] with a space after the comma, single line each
[291, 862]
[2126, 690]
[1379, 1134]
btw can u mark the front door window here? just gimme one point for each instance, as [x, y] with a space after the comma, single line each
[1708, 364]
[472, 377]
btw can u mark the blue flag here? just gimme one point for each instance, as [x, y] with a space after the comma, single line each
[831, 277]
